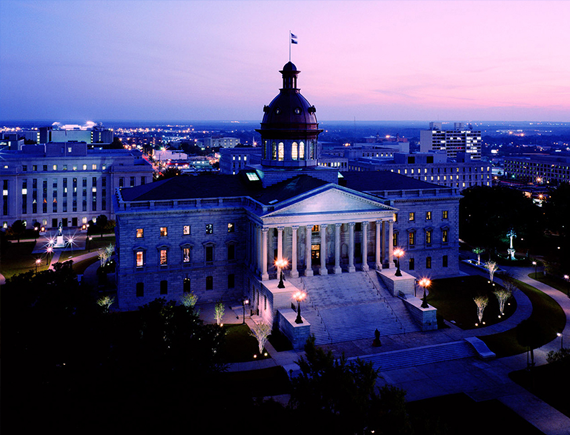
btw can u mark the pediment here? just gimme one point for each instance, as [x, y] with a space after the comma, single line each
[334, 200]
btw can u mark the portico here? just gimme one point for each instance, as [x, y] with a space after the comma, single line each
[325, 231]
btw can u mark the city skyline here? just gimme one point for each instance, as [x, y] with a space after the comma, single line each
[205, 61]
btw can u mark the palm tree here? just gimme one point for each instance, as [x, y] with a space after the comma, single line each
[478, 251]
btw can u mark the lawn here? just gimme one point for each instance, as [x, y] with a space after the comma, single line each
[558, 284]
[547, 315]
[239, 345]
[18, 258]
[453, 298]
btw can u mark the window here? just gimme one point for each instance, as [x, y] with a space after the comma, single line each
[231, 280]
[412, 216]
[140, 289]
[444, 214]
[163, 231]
[395, 217]
[163, 257]
[411, 264]
[163, 287]
[186, 285]
[412, 238]
[316, 228]
[231, 252]
[428, 215]
[140, 258]
[186, 255]
[294, 151]
[281, 151]
[140, 233]
[209, 254]
[231, 227]
[428, 262]
[209, 283]
[358, 226]
[445, 261]
[209, 228]
[428, 237]
[186, 230]
[395, 239]
[444, 236]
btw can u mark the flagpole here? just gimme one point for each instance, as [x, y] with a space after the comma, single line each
[289, 46]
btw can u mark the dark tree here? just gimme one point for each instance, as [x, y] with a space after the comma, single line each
[102, 222]
[168, 173]
[17, 229]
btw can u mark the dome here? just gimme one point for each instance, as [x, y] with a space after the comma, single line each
[289, 66]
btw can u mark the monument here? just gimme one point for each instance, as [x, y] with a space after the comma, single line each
[511, 234]
[59, 242]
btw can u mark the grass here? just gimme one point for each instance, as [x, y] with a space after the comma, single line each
[239, 345]
[549, 382]
[546, 313]
[18, 258]
[453, 298]
[258, 383]
[559, 284]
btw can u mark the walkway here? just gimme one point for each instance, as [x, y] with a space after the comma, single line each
[480, 380]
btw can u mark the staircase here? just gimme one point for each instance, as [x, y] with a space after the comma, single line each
[405, 358]
[351, 306]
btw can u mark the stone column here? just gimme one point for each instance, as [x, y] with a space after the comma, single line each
[259, 249]
[365, 267]
[294, 272]
[264, 274]
[323, 269]
[390, 244]
[279, 243]
[337, 268]
[378, 248]
[308, 270]
[351, 247]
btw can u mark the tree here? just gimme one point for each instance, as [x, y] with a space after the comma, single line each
[478, 251]
[219, 312]
[17, 229]
[502, 295]
[481, 302]
[261, 331]
[101, 223]
[492, 267]
[528, 334]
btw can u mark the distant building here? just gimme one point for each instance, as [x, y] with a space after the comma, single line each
[57, 133]
[220, 142]
[458, 140]
[461, 173]
[65, 182]
[538, 169]
[233, 160]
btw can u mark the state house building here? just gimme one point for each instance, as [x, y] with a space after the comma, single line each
[219, 235]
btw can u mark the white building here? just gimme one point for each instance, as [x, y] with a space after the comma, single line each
[65, 182]
[458, 140]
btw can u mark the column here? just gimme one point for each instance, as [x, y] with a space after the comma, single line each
[390, 244]
[259, 249]
[323, 269]
[308, 270]
[351, 247]
[365, 267]
[378, 249]
[294, 272]
[264, 274]
[279, 243]
[337, 268]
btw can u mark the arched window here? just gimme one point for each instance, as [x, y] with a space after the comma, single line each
[274, 151]
[294, 151]
[281, 151]
[302, 150]
[186, 285]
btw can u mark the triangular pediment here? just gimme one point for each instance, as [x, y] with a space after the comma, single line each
[332, 200]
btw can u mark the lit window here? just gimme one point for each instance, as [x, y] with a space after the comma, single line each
[445, 215]
[428, 237]
[428, 215]
[140, 233]
[186, 230]
[294, 151]
[281, 151]
[84, 167]
[209, 228]
[231, 227]
[316, 228]
[412, 216]
[301, 150]
[140, 258]
[163, 231]
[412, 238]
[444, 236]
[186, 255]
[163, 257]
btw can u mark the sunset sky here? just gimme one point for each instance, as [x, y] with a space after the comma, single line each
[220, 60]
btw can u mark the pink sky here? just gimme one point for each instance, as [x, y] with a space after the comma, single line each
[219, 60]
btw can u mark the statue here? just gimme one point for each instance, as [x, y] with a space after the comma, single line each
[376, 342]
[511, 234]
[60, 229]
[59, 242]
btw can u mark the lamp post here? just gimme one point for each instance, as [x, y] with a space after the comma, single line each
[561, 340]
[38, 261]
[398, 253]
[535, 271]
[425, 282]
[567, 278]
[89, 243]
[299, 296]
[281, 264]
[49, 251]
[244, 303]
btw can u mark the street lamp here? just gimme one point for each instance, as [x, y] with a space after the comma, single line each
[398, 253]
[244, 303]
[281, 264]
[425, 282]
[89, 243]
[535, 271]
[299, 296]
[567, 278]
[49, 251]
[559, 334]
[38, 261]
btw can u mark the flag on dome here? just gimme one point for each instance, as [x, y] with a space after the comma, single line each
[293, 38]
